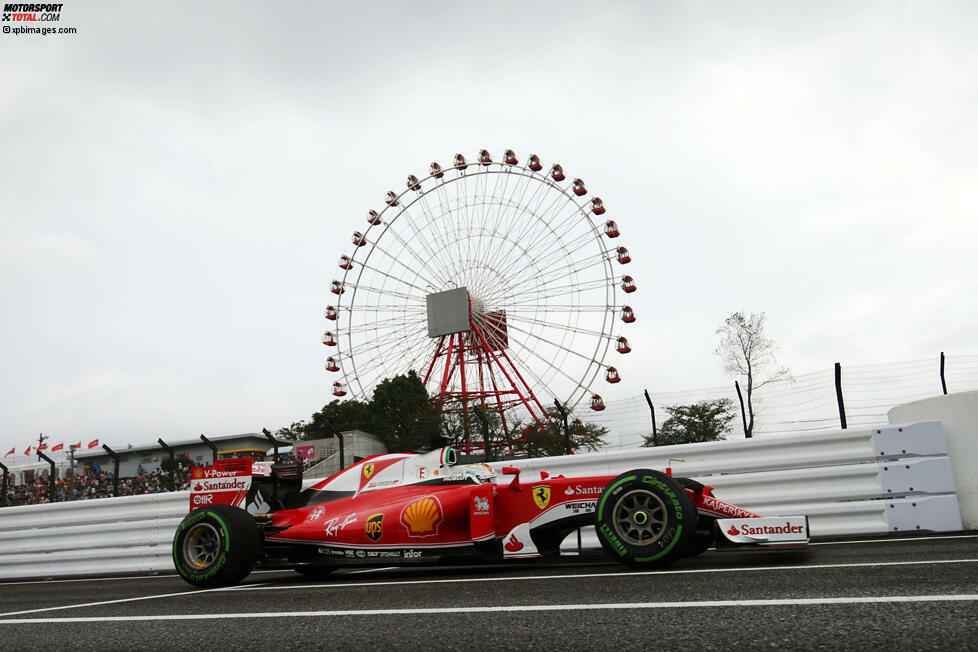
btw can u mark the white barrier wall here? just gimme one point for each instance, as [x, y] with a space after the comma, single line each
[868, 481]
[959, 414]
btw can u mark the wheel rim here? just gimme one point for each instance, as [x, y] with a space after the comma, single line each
[201, 547]
[640, 517]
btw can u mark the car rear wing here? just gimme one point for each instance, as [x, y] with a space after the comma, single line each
[256, 487]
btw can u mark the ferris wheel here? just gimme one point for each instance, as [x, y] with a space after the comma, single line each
[497, 281]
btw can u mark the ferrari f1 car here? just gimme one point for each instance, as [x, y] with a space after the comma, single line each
[408, 509]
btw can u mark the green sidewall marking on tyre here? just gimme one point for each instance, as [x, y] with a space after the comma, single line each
[227, 537]
[608, 491]
[675, 539]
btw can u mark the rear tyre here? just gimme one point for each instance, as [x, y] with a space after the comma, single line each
[216, 546]
[645, 519]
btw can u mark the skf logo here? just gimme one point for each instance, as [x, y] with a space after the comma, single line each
[375, 527]
[422, 517]
[368, 470]
[541, 496]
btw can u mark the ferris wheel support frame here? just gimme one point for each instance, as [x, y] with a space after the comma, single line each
[474, 343]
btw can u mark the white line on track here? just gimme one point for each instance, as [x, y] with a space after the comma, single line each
[121, 600]
[510, 608]
[635, 574]
[742, 569]
[846, 543]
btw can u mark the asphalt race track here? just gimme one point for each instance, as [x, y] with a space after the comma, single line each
[892, 594]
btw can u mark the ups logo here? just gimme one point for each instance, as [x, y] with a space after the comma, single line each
[374, 529]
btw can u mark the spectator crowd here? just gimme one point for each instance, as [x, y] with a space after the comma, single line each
[91, 483]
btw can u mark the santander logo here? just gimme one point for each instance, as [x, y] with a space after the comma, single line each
[513, 544]
[733, 531]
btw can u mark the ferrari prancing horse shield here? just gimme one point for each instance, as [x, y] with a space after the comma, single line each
[368, 470]
[541, 496]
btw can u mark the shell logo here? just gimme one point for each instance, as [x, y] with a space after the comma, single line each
[422, 517]
[197, 473]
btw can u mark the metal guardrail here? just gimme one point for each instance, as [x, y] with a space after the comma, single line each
[849, 482]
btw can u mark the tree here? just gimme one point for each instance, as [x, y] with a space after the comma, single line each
[346, 415]
[291, 432]
[455, 425]
[547, 438]
[747, 351]
[413, 422]
[702, 421]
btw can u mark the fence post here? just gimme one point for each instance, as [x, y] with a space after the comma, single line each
[274, 441]
[743, 415]
[115, 472]
[51, 478]
[172, 461]
[485, 431]
[943, 384]
[6, 476]
[838, 394]
[340, 436]
[655, 434]
[563, 416]
[210, 446]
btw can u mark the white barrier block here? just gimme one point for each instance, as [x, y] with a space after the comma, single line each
[920, 438]
[958, 414]
[924, 475]
[931, 513]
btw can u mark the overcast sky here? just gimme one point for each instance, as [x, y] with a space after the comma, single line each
[177, 181]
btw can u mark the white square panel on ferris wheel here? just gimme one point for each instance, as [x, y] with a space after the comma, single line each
[448, 312]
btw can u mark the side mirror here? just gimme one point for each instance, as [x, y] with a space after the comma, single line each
[513, 470]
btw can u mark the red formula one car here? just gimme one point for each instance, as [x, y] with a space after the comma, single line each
[406, 509]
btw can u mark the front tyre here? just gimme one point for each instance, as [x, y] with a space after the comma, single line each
[644, 519]
[216, 546]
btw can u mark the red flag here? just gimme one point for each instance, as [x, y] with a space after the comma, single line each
[93, 444]
[42, 447]
[59, 447]
[78, 445]
[28, 451]
[11, 451]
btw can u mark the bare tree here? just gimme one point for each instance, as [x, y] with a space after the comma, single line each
[748, 352]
